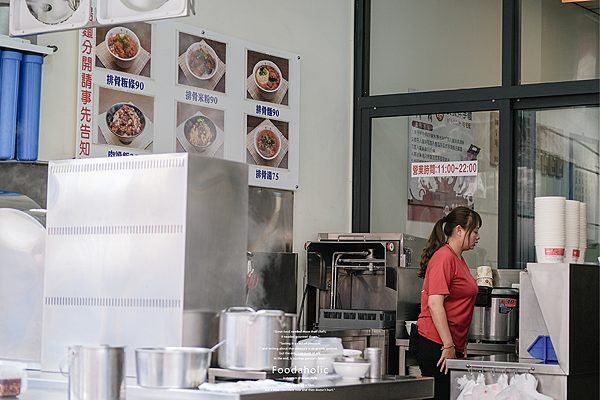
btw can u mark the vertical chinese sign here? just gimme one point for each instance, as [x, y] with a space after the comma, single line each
[84, 98]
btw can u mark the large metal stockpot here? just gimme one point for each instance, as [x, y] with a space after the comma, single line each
[255, 340]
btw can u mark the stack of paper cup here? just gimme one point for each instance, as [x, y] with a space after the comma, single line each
[582, 231]
[484, 276]
[550, 236]
[572, 231]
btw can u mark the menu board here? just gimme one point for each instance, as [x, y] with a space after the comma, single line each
[165, 87]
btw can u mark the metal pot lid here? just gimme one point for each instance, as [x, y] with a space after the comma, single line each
[505, 292]
[350, 360]
[271, 313]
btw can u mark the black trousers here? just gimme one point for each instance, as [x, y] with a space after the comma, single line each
[428, 353]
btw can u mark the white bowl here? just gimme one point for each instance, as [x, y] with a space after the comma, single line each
[351, 370]
[267, 93]
[188, 54]
[351, 353]
[122, 62]
[275, 134]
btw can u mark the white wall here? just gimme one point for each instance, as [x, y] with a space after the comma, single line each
[321, 32]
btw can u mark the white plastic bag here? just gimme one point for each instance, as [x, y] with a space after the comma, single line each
[466, 386]
[513, 393]
[527, 383]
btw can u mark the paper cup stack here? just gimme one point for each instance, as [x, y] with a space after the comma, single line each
[484, 276]
[582, 231]
[550, 234]
[572, 231]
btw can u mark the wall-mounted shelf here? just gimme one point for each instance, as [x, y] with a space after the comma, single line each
[24, 45]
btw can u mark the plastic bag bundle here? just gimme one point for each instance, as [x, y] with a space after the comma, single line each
[521, 387]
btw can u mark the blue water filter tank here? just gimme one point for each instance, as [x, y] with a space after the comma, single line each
[28, 120]
[10, 63]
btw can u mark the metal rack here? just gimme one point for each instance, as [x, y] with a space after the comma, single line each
[25, 45]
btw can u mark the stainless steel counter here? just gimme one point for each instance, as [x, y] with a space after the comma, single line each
[55, 387]
[474, 349]
[552, 379]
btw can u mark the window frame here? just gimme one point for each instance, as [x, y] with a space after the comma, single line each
[508, 99]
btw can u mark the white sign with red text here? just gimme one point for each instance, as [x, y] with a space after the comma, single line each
[450, 168]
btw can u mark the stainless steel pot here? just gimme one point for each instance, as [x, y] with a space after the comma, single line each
[96, 372]
[172, 367]
[497, 323]
[255, 340]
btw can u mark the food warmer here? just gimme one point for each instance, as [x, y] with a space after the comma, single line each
[353, 283]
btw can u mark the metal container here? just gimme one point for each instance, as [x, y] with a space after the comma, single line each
[176, 274]
[172, 367]
[255, 340]
[96, 372]
[373, 354]
[497, 323]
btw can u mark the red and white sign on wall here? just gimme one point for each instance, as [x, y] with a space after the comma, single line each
[84, 100]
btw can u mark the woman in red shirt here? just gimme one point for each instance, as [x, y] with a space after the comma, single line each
[447, 298]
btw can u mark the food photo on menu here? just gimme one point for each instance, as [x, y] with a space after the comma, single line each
[200, 130]
[125, 119]
[125, 48]
[267, 142]
[202, 62]
[267, 78]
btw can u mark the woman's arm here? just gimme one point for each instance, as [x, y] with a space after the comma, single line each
[438, 314]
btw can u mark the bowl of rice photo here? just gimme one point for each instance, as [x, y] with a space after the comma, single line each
[125, 121]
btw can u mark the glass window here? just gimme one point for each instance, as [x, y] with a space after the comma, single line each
[558, 156]
[422, 166]
[559, 41]
[433, 45]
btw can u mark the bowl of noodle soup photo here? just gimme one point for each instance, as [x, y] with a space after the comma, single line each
[267, 77]
[267, 142]
[201, 60]
[125, 121]
[124, 45]
[200, 132]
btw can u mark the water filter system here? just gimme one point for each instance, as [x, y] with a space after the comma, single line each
[20, 93]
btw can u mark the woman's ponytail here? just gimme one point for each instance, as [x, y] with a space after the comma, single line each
[436, 240]
[443, 228]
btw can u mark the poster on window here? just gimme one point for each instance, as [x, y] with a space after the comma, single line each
[443, 145]
[164, 86]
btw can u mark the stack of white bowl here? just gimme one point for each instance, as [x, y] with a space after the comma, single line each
[582, 231]
[550, 236]
[572, 231]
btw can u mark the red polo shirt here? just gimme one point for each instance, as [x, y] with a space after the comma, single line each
[449, 276]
